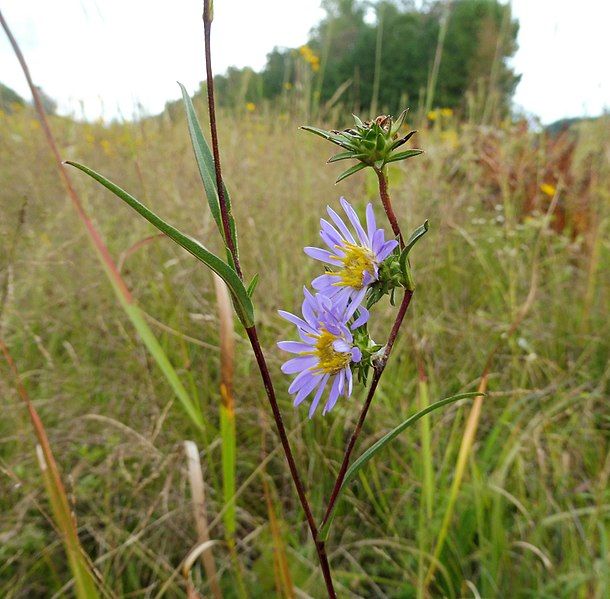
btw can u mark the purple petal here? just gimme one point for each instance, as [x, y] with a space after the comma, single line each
[333, 238]
[334, 392]
[316, 399]
[386, 249]
[297, 364]
[299, 322]
[362, 318]
[371, 225]
[353, 218]
[324, 282]
[350, 381]
[322, 255]
[306, 389]
[294, 347]
[300, 380]
[356, 301]
[340, 225]
[356, 354]
[377, 241]
[341, 346]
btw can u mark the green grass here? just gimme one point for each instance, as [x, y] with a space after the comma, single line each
[532, 517]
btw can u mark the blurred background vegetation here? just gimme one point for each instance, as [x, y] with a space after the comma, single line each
[515, 213]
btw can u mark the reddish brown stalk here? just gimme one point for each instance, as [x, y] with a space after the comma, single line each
[387, 205]
[93, 233]
[277, 415]
[224, 212]
[379, 368]
[251, 331]
[381, 364]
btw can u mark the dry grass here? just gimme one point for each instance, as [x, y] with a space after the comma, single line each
[533, 515]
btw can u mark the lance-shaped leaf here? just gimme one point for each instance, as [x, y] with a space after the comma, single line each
[385, 440]
[399, 122]
[402, 140]
[332, 137]
[351, 171]
[343, 156]
[241, 301]
[403, 155]
[404, 255]
[205, 164]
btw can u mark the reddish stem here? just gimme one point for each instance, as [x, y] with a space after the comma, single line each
[387, 205]
[251, 331]
[379, 368]
[224, 211]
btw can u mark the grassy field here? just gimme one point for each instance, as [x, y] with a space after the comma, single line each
[533, 515]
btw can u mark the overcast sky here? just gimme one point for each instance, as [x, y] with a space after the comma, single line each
[103, 57]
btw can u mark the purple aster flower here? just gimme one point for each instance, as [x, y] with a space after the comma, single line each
[326, 349]
[354, 258]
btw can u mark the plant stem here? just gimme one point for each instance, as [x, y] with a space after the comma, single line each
[251, 331]
[207, 28]
[264, 370]
[379, 368]
[382, 176]
[381, 363]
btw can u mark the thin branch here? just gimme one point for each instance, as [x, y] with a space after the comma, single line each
[264, 370]
[381, 363]
[379, 368]
[251, 331]
[387, 204]
[224, 212]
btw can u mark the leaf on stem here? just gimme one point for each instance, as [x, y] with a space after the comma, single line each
[241, 301]
[351, 171]
[403, 155]
[205, 164]
[381, 443]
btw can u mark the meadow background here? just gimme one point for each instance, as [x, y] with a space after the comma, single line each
[533, 514]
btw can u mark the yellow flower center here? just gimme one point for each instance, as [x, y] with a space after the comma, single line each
[330, 361]
[356, 261]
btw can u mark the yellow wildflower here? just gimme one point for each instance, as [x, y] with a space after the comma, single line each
[250, 106]
[548, 189]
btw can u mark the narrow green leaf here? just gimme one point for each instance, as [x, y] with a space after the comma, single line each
[358, 121]
[398, 122]
[205, 164]
[402, 140]
[340, 156]
[328, 135]
[403, 155]
[351, 171]
[404, 255]
[379, 445]
[241, 301]
[252, 286]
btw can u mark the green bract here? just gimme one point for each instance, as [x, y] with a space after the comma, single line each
[373, 143]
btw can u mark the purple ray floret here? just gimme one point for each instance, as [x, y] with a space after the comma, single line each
[353, 255]
[326, 350]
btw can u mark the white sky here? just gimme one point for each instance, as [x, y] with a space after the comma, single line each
[109, 55]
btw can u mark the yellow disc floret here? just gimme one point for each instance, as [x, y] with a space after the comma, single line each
[330, 361]
[356, 261]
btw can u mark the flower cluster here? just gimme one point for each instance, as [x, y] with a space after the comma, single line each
[332, 329]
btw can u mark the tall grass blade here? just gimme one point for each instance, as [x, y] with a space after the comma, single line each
[227, 422]
[118, 284]
[84, 581]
